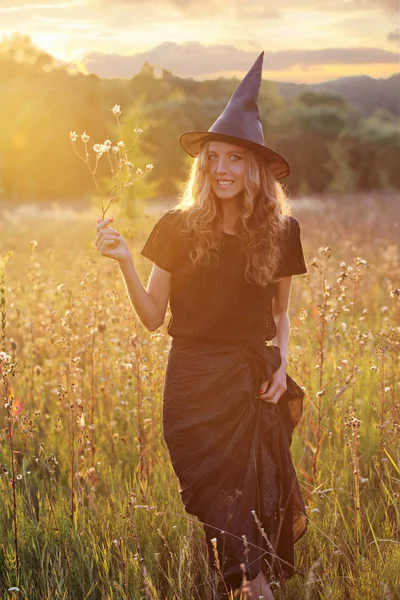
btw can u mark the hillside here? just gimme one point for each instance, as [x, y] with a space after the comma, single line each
[364, 93]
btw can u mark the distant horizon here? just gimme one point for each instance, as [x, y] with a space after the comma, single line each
[73, 67]
[319, 41]
[158, 75]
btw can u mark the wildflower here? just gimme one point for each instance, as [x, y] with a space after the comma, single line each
[121, 145]
[353, 423]
[5, 358]
[108, 143]
[139, 172]
[384, 309]
[325, 251]
[149, 167]
[342, 264]
[360, 261]
[138, 131]
[98, 148]
[129, 164]
[374, 368]
[116, 110]
[115, 149]
[72, 136]
[85, 137]
[19, 477]
[395, 293]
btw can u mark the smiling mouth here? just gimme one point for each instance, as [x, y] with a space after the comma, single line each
[224, 183]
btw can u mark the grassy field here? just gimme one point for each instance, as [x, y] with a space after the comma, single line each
[90, 507]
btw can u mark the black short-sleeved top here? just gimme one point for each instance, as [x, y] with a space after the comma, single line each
[215, 301]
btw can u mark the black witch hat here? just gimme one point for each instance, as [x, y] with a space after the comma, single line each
[240, 124]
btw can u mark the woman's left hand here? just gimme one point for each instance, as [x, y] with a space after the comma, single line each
[277, 388]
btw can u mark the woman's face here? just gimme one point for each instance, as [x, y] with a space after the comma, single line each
[227, 166]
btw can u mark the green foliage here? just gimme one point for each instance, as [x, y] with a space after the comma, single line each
[40, 103]
[344, 178]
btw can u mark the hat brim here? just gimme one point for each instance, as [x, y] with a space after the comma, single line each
[192, 142]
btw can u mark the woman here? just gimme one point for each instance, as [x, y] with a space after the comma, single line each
[224, 257]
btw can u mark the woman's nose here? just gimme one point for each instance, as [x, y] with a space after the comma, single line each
[221, 167]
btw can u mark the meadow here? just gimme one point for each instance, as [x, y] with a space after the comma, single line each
[90, 507]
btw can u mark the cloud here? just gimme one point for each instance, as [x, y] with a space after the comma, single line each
[394, 36]
[27, 6]
[270, 6]
[192, 59]
[390, 5]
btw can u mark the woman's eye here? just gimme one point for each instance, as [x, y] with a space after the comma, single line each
[236, 157]
[212, 157]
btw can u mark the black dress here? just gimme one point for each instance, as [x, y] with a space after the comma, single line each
[229, 449]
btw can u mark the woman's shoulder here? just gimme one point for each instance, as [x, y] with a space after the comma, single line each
[291, 223]
[172, 219]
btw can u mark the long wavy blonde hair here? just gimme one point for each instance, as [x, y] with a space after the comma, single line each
[259, 227]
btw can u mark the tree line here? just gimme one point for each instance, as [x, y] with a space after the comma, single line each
[328, 143]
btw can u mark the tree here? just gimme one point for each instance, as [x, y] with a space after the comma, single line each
[343, 176]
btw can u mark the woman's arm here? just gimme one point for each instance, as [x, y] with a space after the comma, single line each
[280, 308]
[280, 313]
[149, 304]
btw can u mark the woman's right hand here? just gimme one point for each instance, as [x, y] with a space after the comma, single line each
[110, 243]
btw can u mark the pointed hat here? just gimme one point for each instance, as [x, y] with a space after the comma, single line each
[240, 124]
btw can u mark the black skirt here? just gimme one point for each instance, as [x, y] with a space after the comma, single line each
[231, 454]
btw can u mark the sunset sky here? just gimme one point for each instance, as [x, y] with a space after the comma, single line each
[304, 40]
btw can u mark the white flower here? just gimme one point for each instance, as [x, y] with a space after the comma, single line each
[108, 144]
[138, 131]
[115, 149]
[116, 110]
[85, 137]
[149, 167]
[121, 145]
[5, 358]
[139, 172]
[99, 149]
[72, 136]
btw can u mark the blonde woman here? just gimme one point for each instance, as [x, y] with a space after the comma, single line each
[224, 258]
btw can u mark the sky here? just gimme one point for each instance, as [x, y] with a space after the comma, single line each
[305, 41]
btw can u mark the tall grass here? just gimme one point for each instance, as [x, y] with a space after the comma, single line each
[89, 504]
